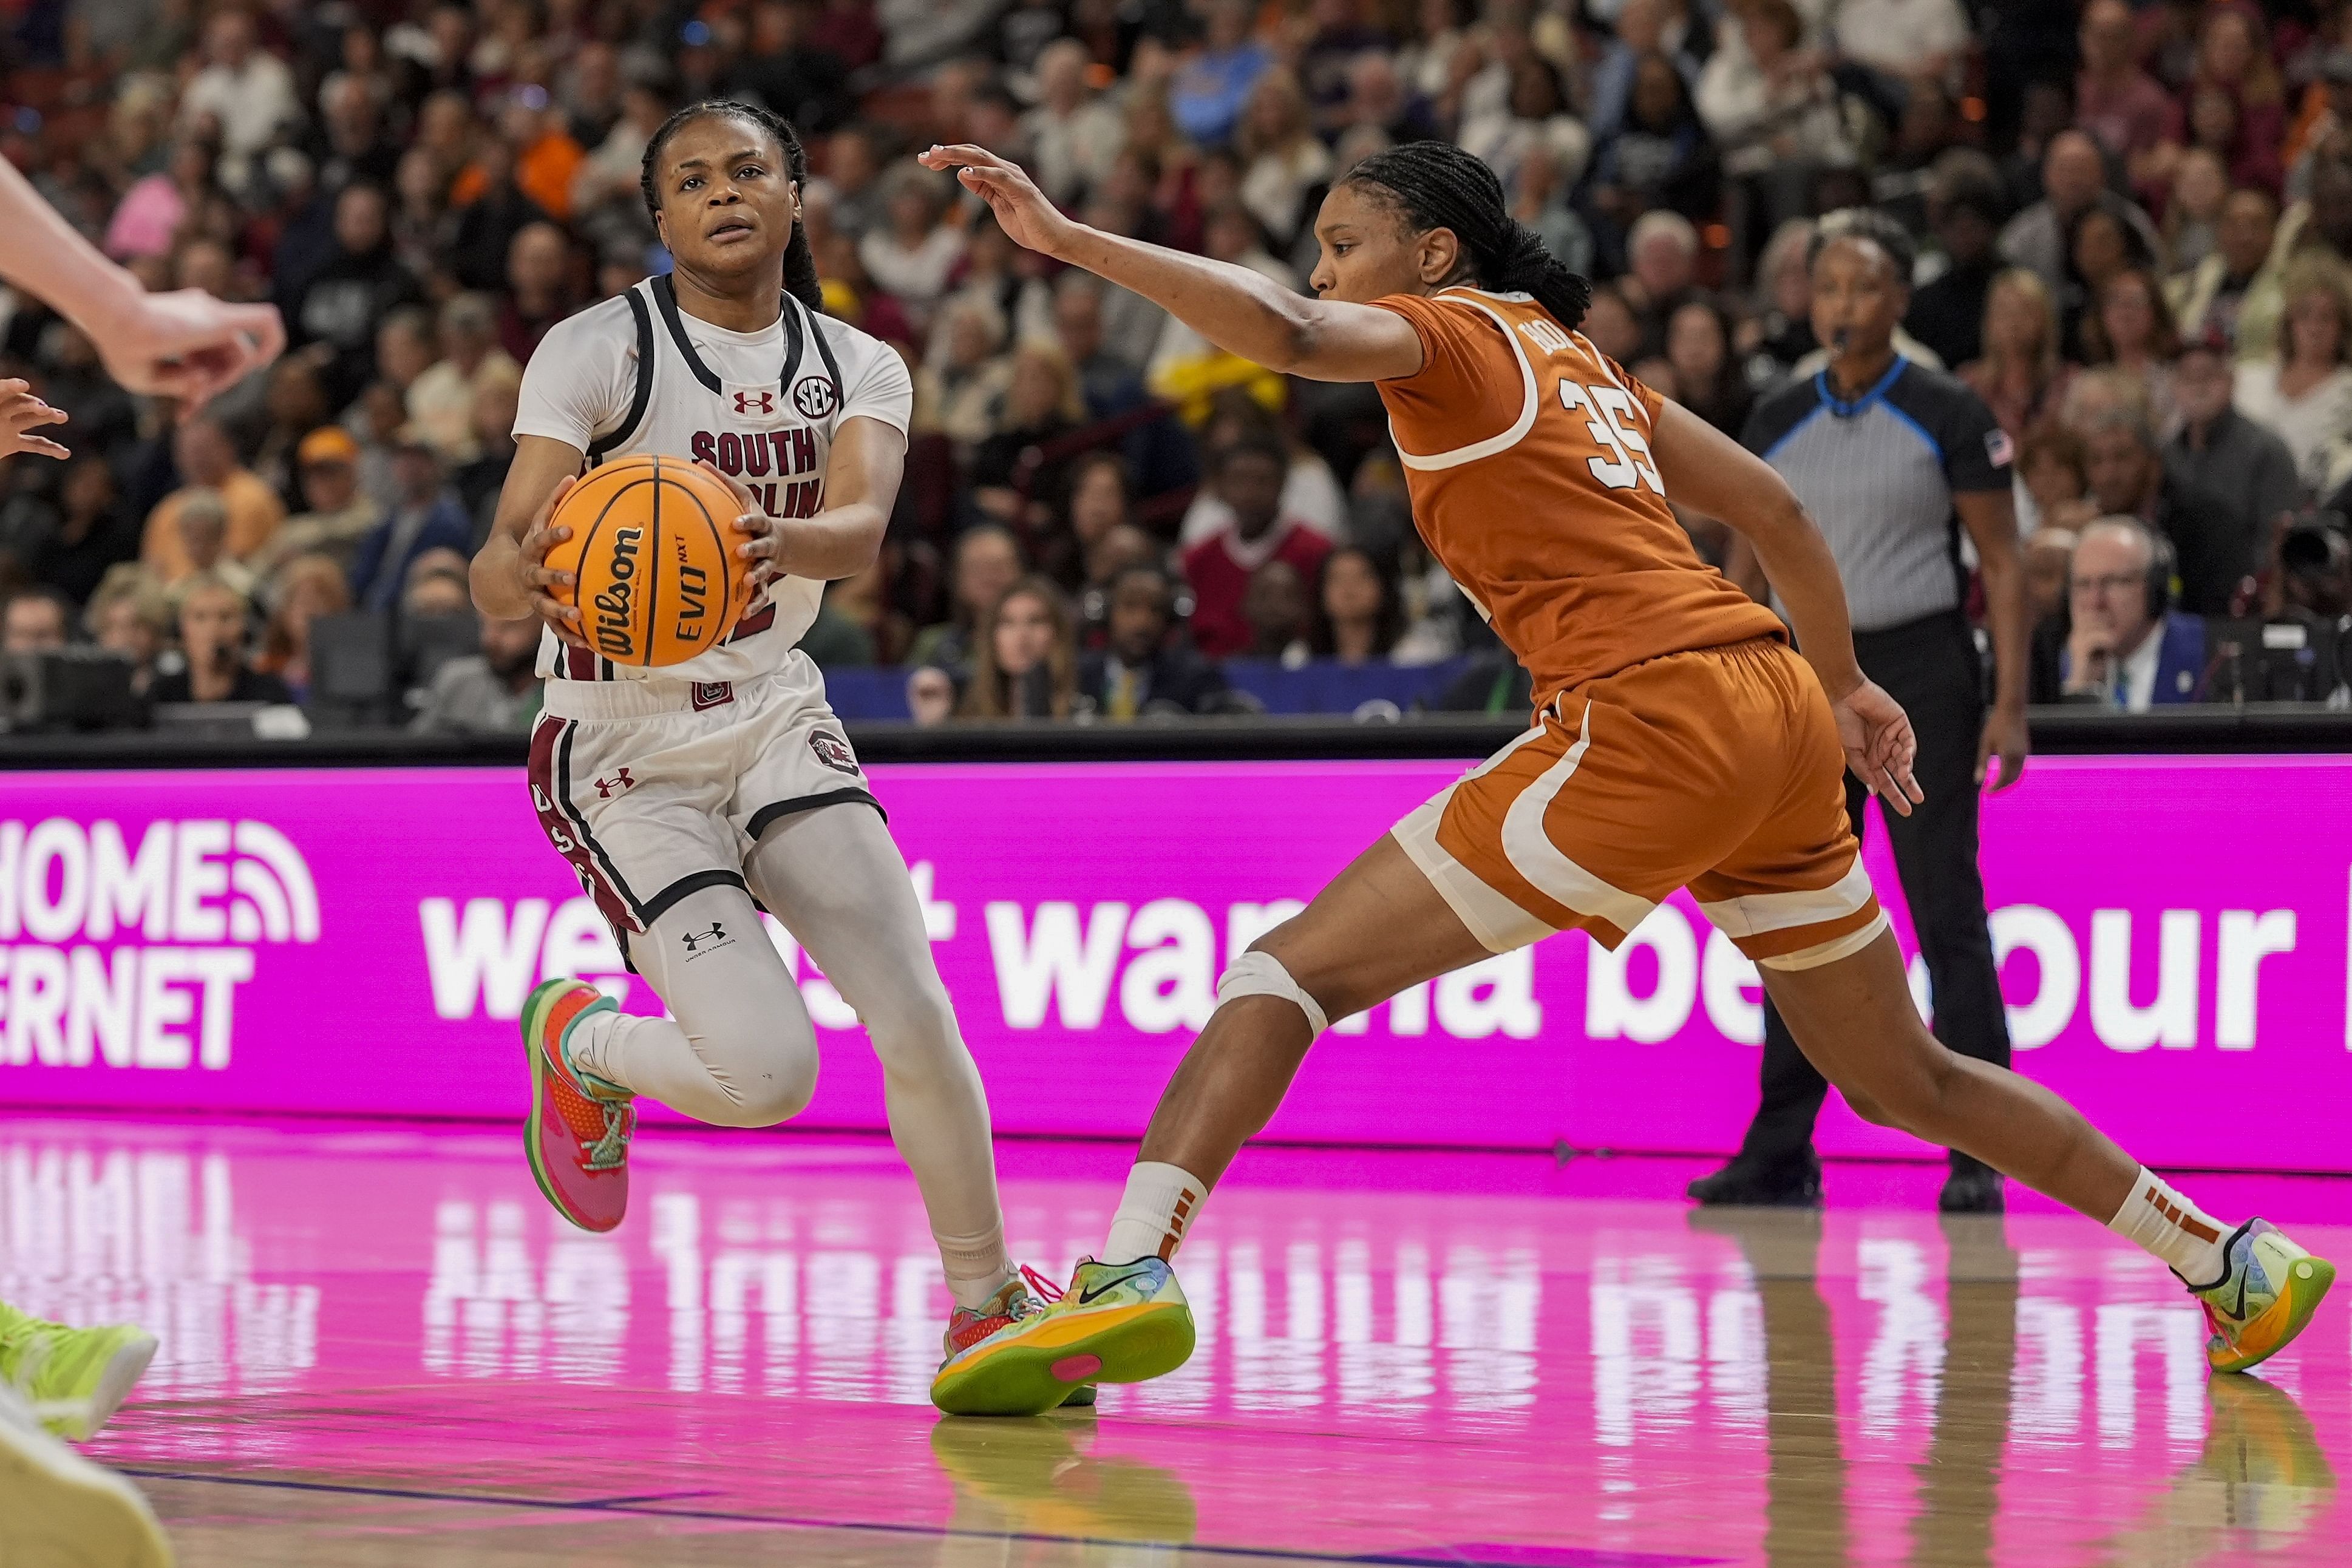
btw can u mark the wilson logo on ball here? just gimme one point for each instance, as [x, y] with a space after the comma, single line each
[652, 545]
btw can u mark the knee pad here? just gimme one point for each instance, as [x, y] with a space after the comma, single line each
[1255, 974]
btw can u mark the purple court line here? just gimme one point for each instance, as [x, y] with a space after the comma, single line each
[1423, 1557]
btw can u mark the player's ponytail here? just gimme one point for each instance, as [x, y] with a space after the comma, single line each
[1437, 185]
[799, 260]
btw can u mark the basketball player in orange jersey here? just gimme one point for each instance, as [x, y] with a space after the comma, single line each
[1678, 741]
[679, 793]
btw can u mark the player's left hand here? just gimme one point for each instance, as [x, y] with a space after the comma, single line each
[759, 552]
[187, 345]
[2005, 738]
[1879, 745]
[1022, 210]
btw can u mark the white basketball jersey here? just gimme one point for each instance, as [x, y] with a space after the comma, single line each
[636, 374]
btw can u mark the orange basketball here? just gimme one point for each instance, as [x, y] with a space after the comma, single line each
[652, 543]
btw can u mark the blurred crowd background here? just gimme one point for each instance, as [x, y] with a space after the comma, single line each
[2145, 210]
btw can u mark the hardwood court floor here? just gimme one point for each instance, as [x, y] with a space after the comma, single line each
[379, 1349]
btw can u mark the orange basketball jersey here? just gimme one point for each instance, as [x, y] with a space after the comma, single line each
[1528, 454]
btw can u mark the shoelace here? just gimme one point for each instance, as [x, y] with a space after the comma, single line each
[1046, 1291]
[612, 1150]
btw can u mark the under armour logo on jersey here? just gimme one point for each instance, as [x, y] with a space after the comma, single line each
[604, 786]
[815, 397]
[767, 401]
[700, 942]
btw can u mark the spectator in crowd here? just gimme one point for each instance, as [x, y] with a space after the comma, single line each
[1358, 615]
[427, 518]
[964, 382]
[441, 397]
[1311, 491]
[1208, 93]
[1284, 161]
[1533, 121]
[2193, 215]
[1024, 663]
[1249, 476]
[2128, 478]
[915, 252]
[987, 564]
[305, 588]
[2020, 377]
[215, 619]
[539, 288]
[2049, 561]
[1707, 379]
[202, 521]
[206, 461]
[2208, 295]
[130, 616]
[93, 531]
[437, 588]
[1041, 404]
[1965, 209]
[2302, 394]
[495, 692]
[498, 394]
[2123, 107]
[2052, 481]
[244, 89]
[346, 299]
[1072, 135]
[1143, 666]
[2121, 646]
[338, 513]
[2074, 180]
[1662, 257]
[1278, 615]
[2130, 326]
[1099, 499]
[37, 621]
[2225, 454]
[1773, 102]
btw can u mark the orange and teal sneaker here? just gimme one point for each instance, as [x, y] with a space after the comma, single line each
[1117, 1322]
[2262, 1300]
[580, 1126]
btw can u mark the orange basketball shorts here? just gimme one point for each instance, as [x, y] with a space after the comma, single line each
[1717, 770]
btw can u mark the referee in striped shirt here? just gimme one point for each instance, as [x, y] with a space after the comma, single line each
[1894, 460]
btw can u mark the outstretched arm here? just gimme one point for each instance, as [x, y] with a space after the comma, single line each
[1709, 472]
[185, 344]
[1232, 307]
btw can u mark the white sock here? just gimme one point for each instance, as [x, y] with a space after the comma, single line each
[1160, 1202]
[2174, 1230]
[976, 1266]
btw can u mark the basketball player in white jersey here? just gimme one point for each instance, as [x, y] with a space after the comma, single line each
[680, 794]
[55, 1505]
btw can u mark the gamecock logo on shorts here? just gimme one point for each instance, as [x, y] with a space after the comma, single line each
[833, 752]
[813, 397]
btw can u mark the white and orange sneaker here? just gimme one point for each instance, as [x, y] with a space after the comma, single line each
[578, 1134]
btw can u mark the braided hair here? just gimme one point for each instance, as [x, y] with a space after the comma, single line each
[800, 261]
[1437, 185]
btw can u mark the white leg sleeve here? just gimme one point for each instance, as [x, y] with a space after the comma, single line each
[742, 1052]
[837, 881]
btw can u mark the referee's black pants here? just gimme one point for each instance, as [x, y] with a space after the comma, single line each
[1930, 666]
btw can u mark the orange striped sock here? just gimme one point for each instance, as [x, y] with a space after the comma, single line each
[1160, 1204]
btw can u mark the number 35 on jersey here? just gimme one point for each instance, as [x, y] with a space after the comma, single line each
[1624, 461]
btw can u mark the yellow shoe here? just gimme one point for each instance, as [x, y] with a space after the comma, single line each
[2264, 1299]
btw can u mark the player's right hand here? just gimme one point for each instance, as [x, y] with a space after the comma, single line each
[20, 411]
[1879, 745]
[539, 581]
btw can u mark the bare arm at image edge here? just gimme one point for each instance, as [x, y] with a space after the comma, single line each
[185, 344]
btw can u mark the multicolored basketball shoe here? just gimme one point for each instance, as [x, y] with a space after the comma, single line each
[74, 1379]
[1117, 1322]
[580, 1126]
[56, 1507]
[956, 1389]
[2264, 1300]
